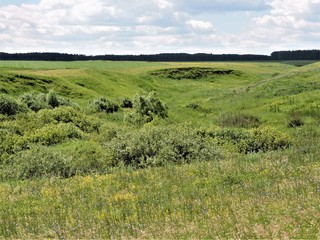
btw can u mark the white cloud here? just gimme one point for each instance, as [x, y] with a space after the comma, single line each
[200, 25]
[289, 21]
[153, 26]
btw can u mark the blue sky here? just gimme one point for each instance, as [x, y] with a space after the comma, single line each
[17, 2]
[158, 26]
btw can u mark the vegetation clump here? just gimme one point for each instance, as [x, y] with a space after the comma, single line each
[193, 106]
[38, 101]
[34, 101]
[254, 140]
[146, 108]
[102, 104]
[194, 73]
[126, 103]
[9, 106]
[295, 119]
[241, 120]
[156, 146]
[38, 162]
[45, 127]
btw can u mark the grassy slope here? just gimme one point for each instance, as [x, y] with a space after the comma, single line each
[252, 196]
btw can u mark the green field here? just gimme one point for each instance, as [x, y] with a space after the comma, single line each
[208, 150]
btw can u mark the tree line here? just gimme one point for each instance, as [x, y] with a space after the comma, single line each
[296, 55]
[163, 57]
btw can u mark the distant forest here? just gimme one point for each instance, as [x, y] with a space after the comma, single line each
[166, 57]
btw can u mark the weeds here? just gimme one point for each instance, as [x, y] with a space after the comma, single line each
[241, 120]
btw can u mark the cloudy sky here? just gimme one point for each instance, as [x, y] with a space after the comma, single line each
[158, 26]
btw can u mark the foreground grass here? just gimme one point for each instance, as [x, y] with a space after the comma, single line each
[255, 196]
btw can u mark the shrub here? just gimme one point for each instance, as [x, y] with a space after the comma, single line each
[146, 108]
[249, 141]
[46, 127]
[42, 161]
[88, 157]
[241, 120]
[126, 103]
[52, 99]
[104, 105]
[55, 133]
[37, 162]
[40, 101]
[295, 119]
[295, 122]
[66, 102]
[34, 101]
[156, 146]
[9, 106]
[68, 115]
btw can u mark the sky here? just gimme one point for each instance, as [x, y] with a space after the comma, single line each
[94, 27]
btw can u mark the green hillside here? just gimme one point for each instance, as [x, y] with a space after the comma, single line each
[99, 149]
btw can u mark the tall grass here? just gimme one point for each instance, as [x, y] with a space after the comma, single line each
[269, 196]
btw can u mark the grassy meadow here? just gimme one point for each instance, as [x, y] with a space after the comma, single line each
[140, 150]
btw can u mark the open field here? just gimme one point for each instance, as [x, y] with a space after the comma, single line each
[220, 150]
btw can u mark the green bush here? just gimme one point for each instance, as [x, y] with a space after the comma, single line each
[55, 133]
[126, 103]
[38, 101]
[52, 99]
[9, 144]
[36, 163]
[249, 141]
[241, 120]
[295, 122]
[146, 108]
[68, 115]
[66, 102]
[156, 146]
[104, 105]
[9, 106]
[34, 101]
[46, 127]
[295, 119]
[88, 157]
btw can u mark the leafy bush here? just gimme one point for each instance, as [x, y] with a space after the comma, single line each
[55, 133]
[249, 141]
[104, 105]
[295, 122]
[38, 101]
[68, 115]
[80, 157]
[295, 119]
[126, 103]
[88, 157]
[9, 106]
[155, 146]
[9, 143]
[34, 101]
[36, 163]
[52, 99]
[146, 108]
[46, 127]
[194, 73]
[241, 120]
